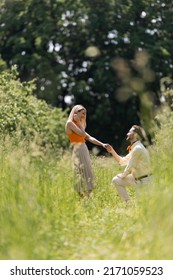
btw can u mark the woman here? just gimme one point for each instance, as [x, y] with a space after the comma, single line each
[75, 130]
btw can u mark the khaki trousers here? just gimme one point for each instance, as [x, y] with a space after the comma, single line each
[129, 181]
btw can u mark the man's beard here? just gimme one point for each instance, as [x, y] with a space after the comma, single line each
[129, 139]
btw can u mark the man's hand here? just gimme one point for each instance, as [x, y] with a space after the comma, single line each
[121, 175]
[109, 148]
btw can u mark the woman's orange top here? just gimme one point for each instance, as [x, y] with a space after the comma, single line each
[75, 138]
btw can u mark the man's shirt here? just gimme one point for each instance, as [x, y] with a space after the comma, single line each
[137, 161]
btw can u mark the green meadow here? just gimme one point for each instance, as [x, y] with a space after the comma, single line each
[41, 217]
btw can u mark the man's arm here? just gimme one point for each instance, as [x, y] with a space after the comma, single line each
[114, 153]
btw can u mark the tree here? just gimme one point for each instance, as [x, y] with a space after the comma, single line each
[107, 55]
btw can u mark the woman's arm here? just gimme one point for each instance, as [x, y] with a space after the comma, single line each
[95, 141]
[71, 126]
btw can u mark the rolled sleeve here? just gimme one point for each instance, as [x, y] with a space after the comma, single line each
[124, 160]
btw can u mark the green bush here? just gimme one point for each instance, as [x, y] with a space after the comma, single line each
[24, 117]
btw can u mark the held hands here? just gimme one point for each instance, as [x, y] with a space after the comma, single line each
[105, 145]
[108, 148]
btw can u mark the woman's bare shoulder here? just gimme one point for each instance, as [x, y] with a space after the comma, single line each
[70, 124]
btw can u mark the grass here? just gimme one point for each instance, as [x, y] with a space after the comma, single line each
[41, 216]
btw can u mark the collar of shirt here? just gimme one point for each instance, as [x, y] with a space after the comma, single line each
[130, 147]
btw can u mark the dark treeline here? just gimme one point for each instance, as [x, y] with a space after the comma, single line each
[109, 56]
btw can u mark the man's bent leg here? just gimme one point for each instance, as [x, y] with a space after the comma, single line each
[121, 184]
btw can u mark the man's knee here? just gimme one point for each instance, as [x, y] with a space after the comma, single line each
[116, 181]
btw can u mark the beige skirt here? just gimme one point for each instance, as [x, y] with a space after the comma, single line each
[84, 176]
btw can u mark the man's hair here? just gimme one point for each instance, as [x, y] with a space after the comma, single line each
[140, 131]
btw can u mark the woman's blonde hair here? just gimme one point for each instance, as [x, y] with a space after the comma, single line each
[76, 109]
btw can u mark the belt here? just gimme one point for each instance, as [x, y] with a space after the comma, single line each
[144, 176]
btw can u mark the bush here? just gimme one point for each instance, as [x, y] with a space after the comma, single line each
[24, 117]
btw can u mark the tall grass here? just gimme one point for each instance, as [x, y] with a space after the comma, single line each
[41, 216]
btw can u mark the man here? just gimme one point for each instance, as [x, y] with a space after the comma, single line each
[137, 171]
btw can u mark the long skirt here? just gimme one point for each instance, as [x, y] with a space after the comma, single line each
[84, 176]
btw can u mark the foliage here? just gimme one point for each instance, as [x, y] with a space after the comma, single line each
[77, 49]
[42, 218]
[24, 116]
[109, 56]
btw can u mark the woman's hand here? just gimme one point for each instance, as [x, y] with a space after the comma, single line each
[76, 118]
[105, 145]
